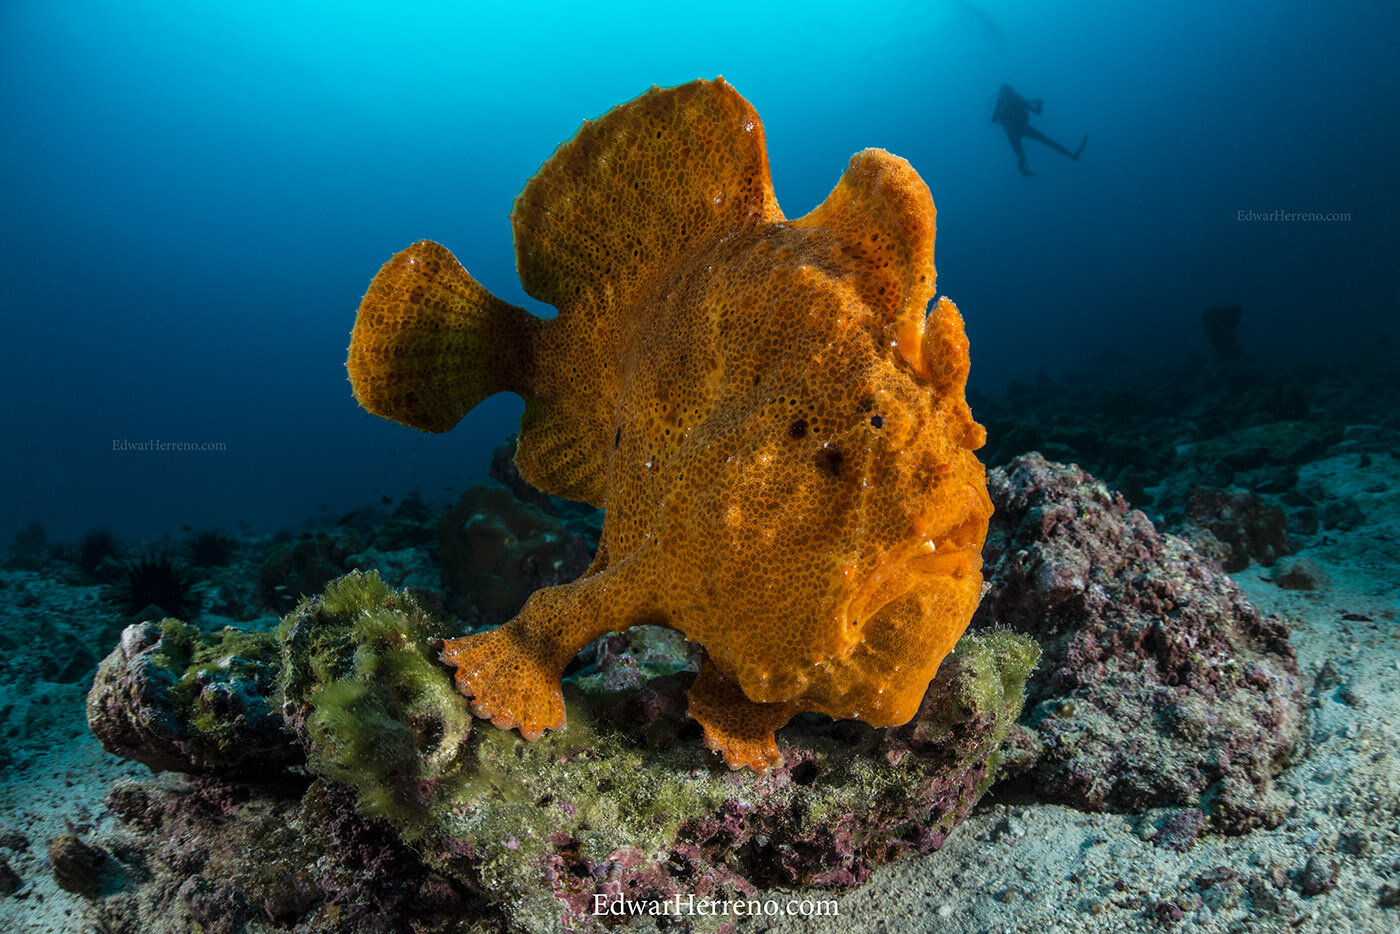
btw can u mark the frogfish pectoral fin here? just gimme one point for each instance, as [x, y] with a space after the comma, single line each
[506, 682]
[430, 342]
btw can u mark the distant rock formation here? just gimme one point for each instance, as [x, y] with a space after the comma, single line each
[1220, 324]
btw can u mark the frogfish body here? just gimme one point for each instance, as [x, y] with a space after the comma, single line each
[772, 419]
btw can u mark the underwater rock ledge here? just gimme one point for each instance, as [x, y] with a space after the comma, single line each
[1160, 686]
[176, 699]
[623, 802]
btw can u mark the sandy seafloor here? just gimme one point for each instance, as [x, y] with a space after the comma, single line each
[1011, 866]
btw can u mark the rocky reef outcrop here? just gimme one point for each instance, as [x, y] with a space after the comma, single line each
[624, 803]
[223, 857]
[175, 698]
[496, 550]
[1161, 685]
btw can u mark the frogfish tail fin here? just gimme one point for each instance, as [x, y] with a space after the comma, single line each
[430, 342]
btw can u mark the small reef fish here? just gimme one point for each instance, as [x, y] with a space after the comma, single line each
[768, 412]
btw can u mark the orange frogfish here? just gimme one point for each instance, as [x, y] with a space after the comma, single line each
[768, 412]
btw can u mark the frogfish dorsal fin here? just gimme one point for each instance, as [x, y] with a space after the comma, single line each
[609, 219]
[650, 181]
[883, 218]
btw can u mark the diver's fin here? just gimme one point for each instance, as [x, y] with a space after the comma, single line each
[430, 343]
[883, 217]
[614, 213]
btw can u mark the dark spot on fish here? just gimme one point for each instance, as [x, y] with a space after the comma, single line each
[829, 460]
[798, 429]
[877, 421]
[617, 437]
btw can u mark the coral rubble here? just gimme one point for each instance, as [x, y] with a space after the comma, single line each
[78, 867]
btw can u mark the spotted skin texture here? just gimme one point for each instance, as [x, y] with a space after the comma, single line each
[772, 420]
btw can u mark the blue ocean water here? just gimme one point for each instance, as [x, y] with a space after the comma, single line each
[193, 198]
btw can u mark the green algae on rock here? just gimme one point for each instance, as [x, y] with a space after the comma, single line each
[176, 698]
[603, 807]
[596, 811]
[364, 692]
[624, 803]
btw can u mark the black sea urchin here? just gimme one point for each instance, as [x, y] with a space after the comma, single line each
[211, 548]
[159, 579]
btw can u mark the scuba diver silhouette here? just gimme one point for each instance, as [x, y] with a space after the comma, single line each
[1013, 112]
